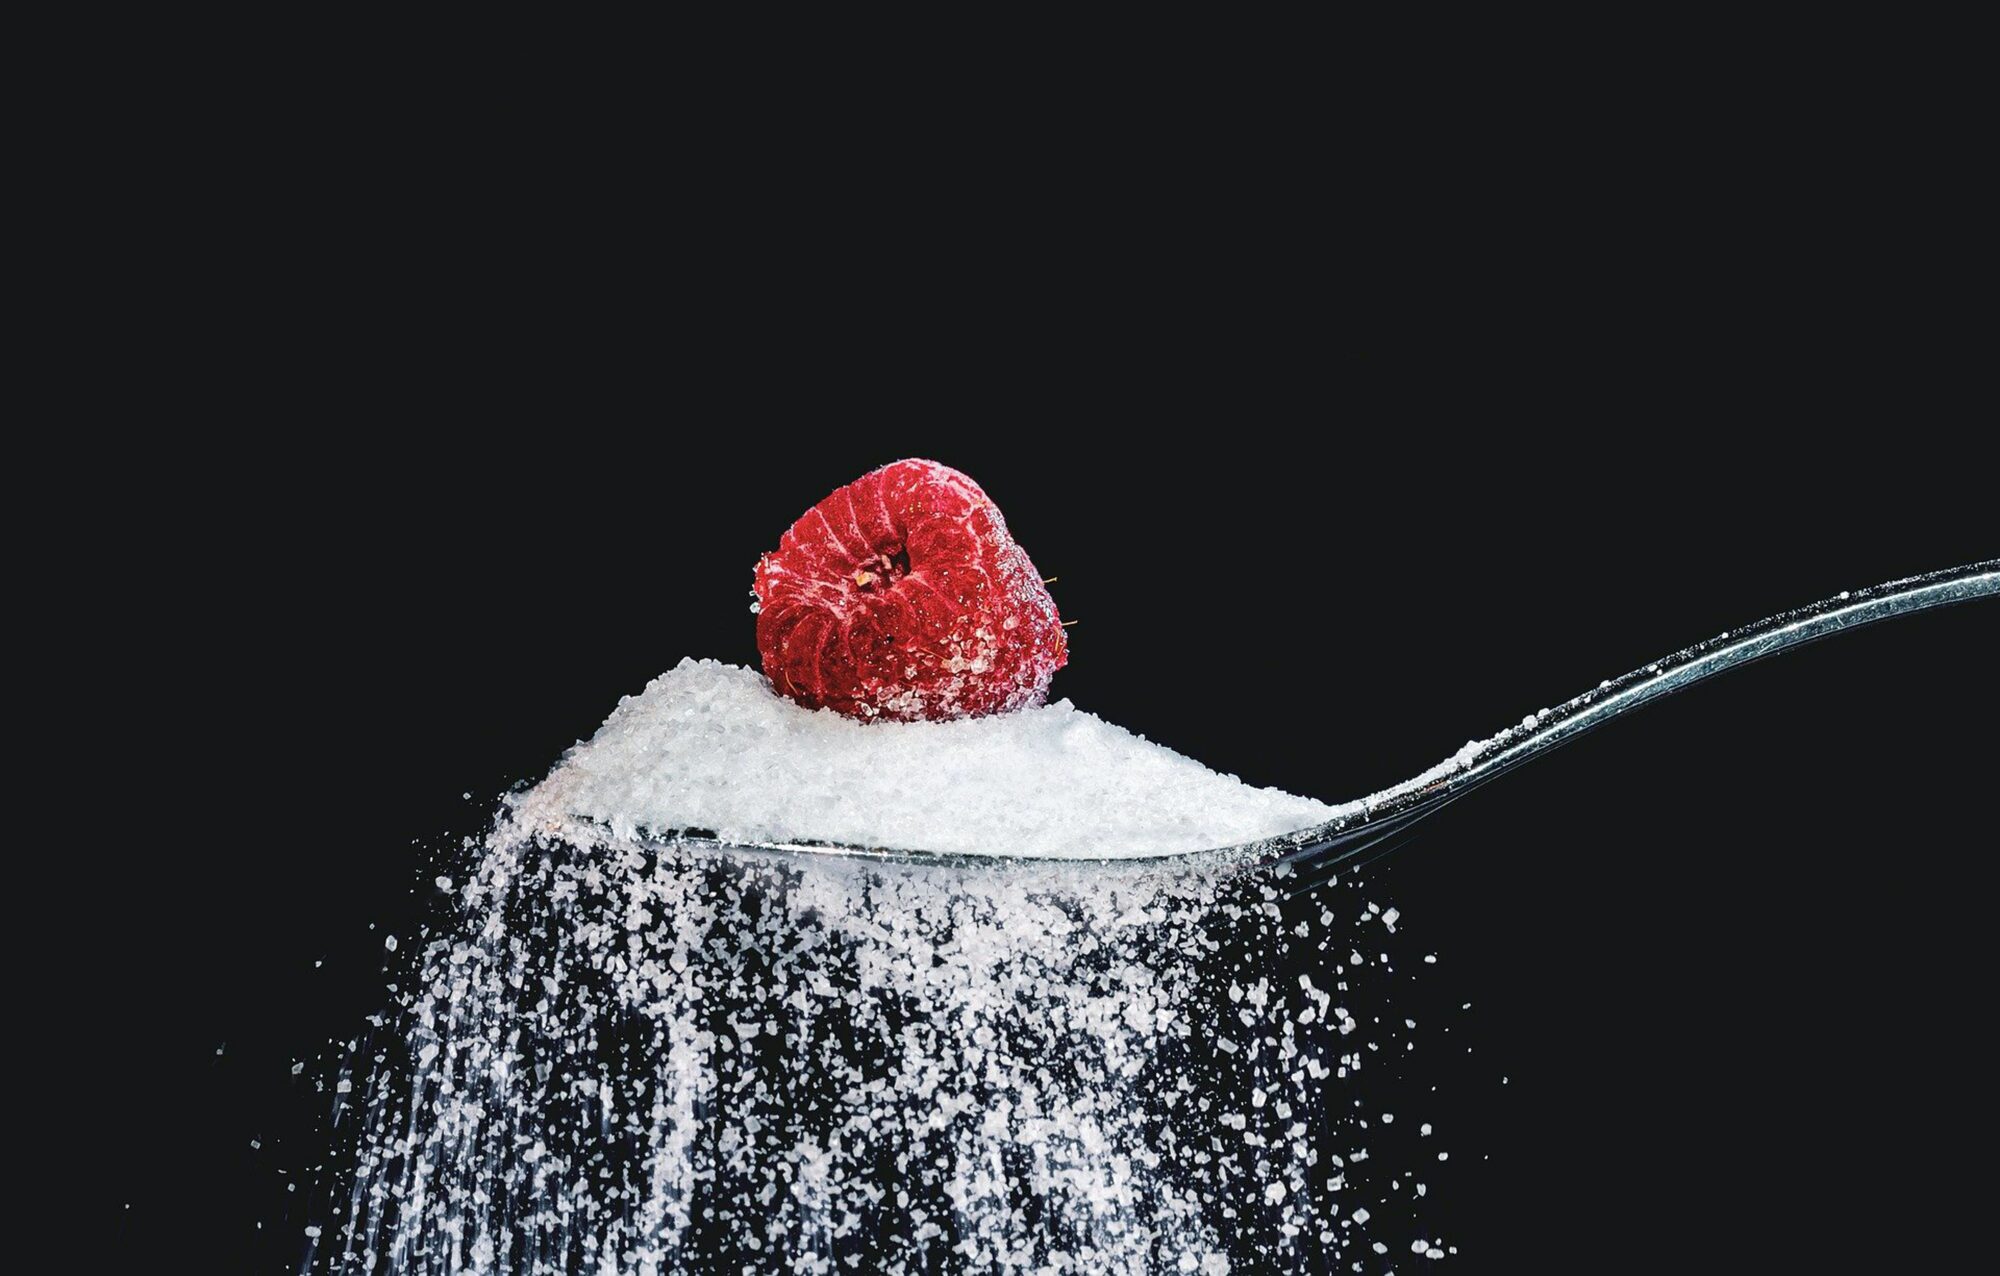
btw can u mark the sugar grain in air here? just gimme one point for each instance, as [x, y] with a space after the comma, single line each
[709, 746]
[622, 1053]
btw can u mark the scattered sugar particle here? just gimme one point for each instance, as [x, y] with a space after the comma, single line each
[666, 1037]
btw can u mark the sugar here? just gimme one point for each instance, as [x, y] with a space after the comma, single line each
[710, 747]
[628, 1052]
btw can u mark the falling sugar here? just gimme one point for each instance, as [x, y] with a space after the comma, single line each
[631, 1053]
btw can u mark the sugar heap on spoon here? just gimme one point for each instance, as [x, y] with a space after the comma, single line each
[908, 644]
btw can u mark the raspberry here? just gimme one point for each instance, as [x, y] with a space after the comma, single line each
[902, 596]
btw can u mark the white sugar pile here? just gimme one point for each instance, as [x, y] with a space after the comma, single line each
[709, 746]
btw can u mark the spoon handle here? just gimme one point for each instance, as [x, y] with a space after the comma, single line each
[1361, 824]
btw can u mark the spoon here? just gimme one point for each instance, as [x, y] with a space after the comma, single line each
[1359, 825]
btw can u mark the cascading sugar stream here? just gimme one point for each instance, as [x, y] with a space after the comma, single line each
[625, 1053]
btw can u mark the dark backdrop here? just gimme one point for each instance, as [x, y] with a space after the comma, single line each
[1729, 954]
[386, 439]
[396, 475]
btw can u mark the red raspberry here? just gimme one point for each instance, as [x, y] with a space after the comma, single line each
[902, 596]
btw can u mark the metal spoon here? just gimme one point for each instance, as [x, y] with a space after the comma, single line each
[1359, 825]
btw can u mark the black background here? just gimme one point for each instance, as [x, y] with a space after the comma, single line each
[452, 463]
